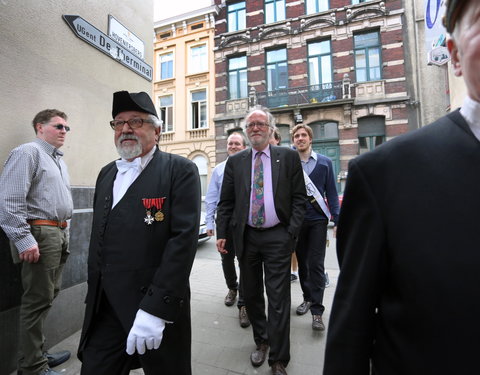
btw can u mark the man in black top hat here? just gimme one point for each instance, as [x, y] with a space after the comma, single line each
[408, 240]
[143, 242]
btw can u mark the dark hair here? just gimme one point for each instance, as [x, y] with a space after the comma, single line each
[45, 116]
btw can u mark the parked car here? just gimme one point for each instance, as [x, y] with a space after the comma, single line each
[202, 233]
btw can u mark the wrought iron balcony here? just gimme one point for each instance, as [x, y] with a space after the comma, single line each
[295, 96]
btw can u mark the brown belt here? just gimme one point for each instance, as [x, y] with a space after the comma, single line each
[50, 223]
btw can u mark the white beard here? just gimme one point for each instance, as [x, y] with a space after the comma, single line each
[129, 152]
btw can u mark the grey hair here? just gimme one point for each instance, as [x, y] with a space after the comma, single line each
[258, 108]
[155, 120]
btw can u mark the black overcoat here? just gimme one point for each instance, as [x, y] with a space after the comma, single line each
[146, 266]
[408, 296]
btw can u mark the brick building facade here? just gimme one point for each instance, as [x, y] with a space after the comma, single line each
[338, 66]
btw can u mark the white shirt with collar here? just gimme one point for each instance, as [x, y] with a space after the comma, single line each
[125, 178]
[471, 113]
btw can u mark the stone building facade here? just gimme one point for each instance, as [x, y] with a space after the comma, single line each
[184, 86]
[338, 66]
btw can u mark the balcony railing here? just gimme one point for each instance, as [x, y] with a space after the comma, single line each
[321, 93]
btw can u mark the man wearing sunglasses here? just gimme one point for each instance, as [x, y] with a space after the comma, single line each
[143, 243]
[35, 204]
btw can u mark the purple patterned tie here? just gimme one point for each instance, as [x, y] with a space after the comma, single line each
[258, 206]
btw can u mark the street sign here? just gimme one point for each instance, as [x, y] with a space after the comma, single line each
[125, 37]
[90, 34]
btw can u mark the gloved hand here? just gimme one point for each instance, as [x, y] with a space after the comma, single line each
[147, 330]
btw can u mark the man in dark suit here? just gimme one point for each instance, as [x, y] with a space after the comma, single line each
[407, 299]
[143, 243]
[263, 200]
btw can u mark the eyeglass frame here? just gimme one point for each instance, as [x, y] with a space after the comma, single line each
[260, 125]
[119, 127]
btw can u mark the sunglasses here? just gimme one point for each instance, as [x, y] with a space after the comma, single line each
[61, 127]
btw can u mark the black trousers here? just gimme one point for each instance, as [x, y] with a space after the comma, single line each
[104, 352]
[268, 251]
[310, 251]
[230, 273]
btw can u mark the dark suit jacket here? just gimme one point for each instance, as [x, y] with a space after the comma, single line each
[288, 188]
[139, 265]
[408, 243]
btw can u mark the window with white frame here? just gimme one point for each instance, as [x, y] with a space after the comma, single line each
[359, 1]
[315, 6]
[198, 59]
[199, 109]
[166, 113]
[166, 65]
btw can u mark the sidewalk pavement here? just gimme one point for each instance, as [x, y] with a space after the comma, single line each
[219, 345]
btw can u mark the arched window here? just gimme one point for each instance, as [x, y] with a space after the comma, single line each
[371, 133]
[201, 162]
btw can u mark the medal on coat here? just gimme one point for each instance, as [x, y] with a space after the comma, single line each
[147, 203]
[148, 219]
[153, 204]
[158, 203]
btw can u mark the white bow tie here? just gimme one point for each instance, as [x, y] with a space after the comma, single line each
[123, 166]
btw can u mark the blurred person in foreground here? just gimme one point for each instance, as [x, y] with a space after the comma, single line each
[142, 246]
[407, 299]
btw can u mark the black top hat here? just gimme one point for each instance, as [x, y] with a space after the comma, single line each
[453, 12]
[135, 101]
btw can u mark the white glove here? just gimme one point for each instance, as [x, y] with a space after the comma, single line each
[147, 330]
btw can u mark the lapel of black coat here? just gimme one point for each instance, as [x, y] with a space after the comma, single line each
[107, 188]
[246, 170]
[275, 162]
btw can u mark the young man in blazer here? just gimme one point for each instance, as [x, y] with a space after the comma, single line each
[312, 240]
[263, 200]
[143, 243]
[408, 241]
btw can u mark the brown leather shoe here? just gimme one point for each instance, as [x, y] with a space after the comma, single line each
[231, 297]
[243, 316]
[259, 355]
[317, 323]
[278, 369]
[303, 307]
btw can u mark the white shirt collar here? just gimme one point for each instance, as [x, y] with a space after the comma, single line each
[471, 113]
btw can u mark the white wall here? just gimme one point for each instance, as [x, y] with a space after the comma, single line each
[45, 65]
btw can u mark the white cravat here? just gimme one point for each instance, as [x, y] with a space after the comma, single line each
[128, 173]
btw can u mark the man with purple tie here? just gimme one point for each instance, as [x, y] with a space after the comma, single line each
[263, 200]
